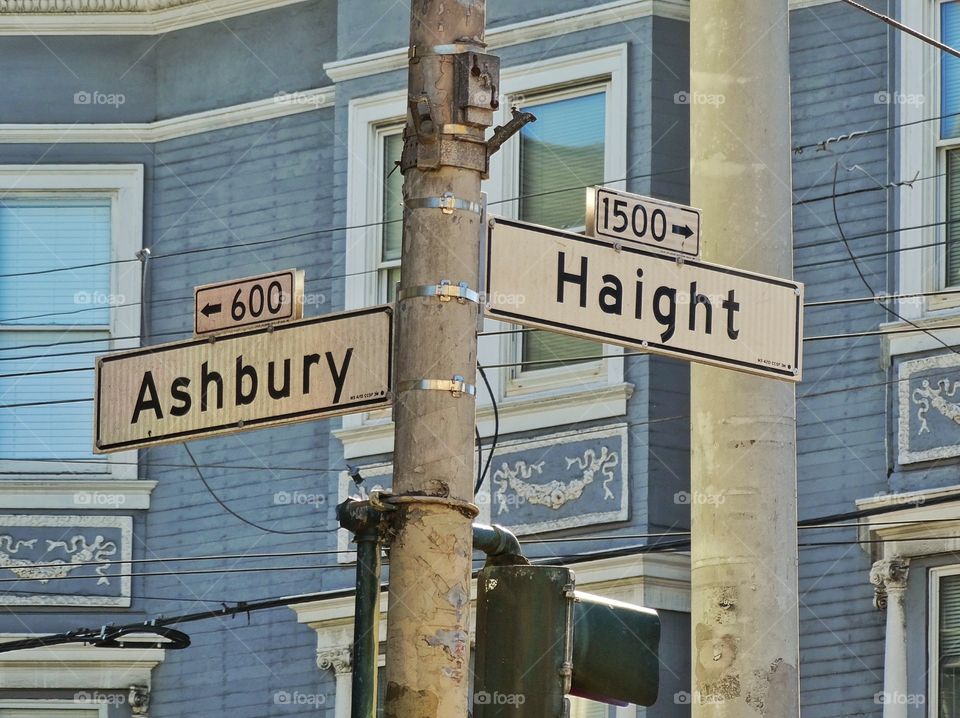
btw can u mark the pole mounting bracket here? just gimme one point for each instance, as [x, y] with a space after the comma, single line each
[456, 386]
[445, 291]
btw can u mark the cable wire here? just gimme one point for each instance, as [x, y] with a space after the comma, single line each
[238, 516]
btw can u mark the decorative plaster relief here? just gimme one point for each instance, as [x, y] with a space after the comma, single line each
[929, 415]
[50, 555]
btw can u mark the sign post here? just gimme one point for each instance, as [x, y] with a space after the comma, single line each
[627, 295]
[295, 371]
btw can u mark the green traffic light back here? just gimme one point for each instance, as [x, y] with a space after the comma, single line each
[615, 651]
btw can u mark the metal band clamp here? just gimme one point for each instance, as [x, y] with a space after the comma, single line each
[452, 49]
[444, 290]
[446, 203]
[456, 386]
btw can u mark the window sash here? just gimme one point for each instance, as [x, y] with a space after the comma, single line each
[574, 107]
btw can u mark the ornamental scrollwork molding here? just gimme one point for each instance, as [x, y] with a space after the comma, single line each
[340, 660]
[139, 699]
[888, 575]
[555, 494]
[88, 6]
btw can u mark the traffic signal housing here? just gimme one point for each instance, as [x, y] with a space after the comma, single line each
[539, 640]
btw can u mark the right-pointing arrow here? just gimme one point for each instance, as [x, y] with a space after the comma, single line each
[683, 230]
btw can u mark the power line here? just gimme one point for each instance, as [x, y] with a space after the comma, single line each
[242, 518]
[904, 28]
[193, 572]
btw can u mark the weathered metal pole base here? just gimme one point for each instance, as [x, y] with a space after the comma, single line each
[744, 614]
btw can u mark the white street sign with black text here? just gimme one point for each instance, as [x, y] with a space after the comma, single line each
[280, 374]
[248, 302]
[547, 278]
[653, 223]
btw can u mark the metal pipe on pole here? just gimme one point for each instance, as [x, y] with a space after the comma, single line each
[452, 92]
[744, 616]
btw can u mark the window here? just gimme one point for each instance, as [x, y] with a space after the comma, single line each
[950, 139]
[583, 708]
[946, 672]
[37, 310]
[563, 149]
[53, 324]
[49, 709]
[579, 139]
[390, 145]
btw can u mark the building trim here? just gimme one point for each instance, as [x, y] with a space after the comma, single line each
[609, 13]
[74, 494]
[283, 104]
[660, 581]
[115, 17]
[73, 665]
[920, 528]
[517, 33]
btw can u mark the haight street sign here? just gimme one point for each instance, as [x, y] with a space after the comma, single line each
[297, 371]
[657, 224]
[547, 278]
[248, 302]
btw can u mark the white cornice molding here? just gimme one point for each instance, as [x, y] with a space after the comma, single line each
[521, 32]
[657, 581]
[919, 528]
[539, 28]
[282, 104]
[120, 17]
[74, 494]
[798, 4]
[77, 666]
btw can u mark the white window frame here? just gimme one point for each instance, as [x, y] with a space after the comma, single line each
[551, 87]
[52, 708]
[933, 638]
[544, 398]
[36, 484]
[921, 263]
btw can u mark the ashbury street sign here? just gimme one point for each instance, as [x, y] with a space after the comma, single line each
[547, 278]
[297, 371]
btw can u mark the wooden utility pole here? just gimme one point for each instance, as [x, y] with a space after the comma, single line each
[453, 90]
[744, 615]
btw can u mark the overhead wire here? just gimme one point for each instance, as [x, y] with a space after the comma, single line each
[241, 518]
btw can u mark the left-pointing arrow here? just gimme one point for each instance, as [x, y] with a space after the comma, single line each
[210, 309]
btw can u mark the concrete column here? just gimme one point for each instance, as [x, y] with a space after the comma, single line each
[889, 578]
[339, 660]
[744, 613]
